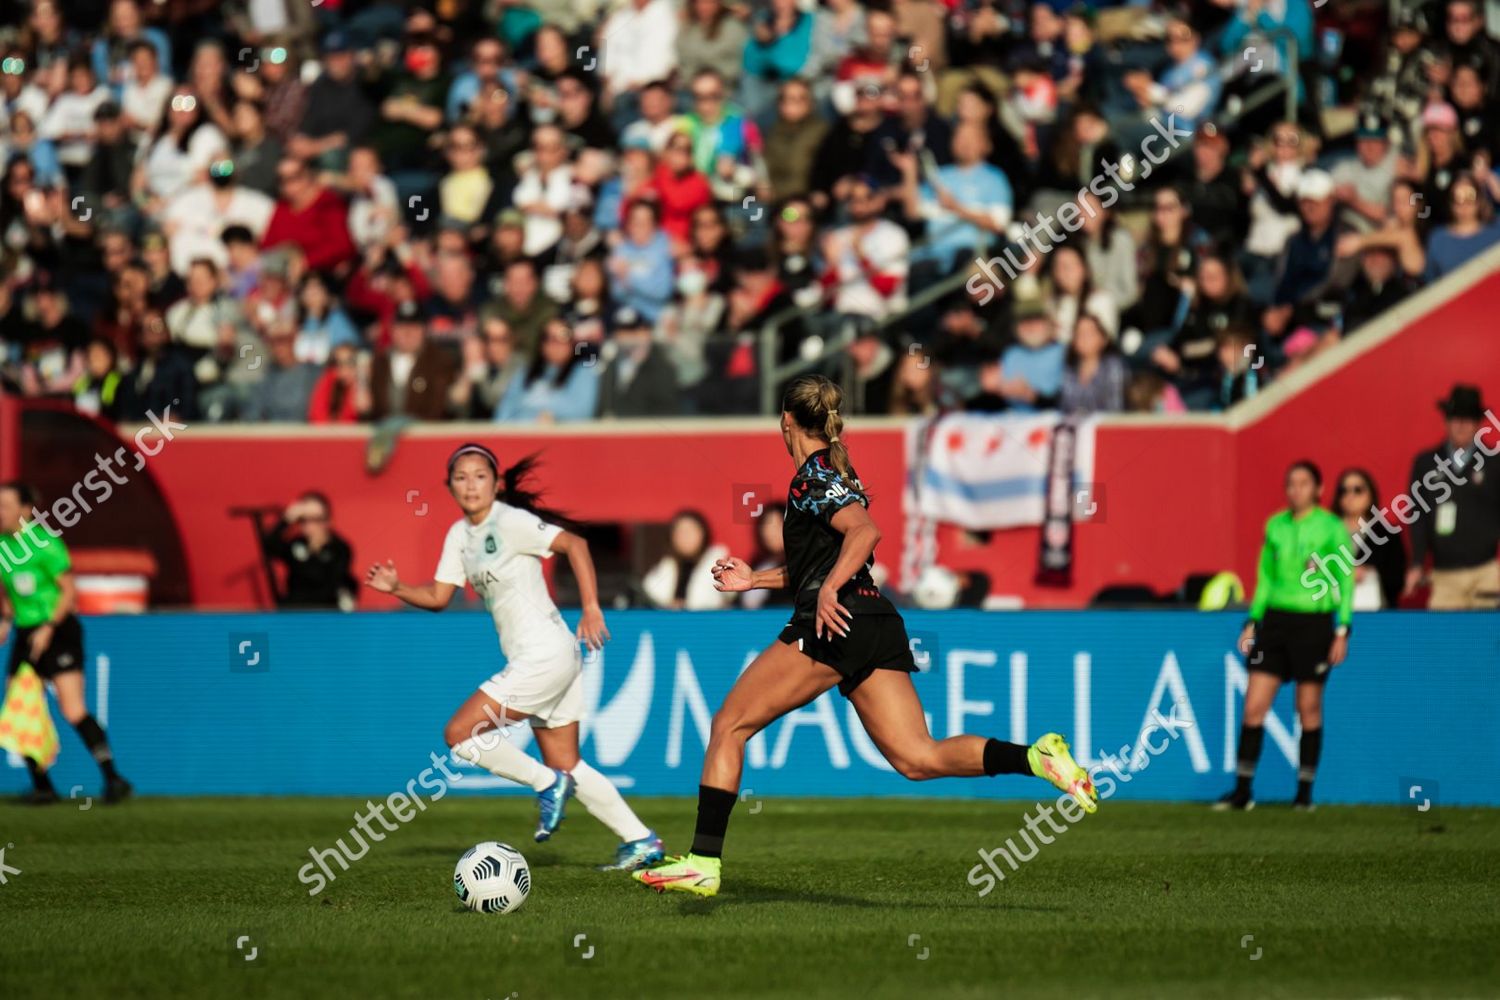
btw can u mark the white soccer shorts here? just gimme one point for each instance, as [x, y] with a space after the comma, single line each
[550, 691]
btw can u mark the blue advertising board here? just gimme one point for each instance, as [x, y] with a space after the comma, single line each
[333, 704]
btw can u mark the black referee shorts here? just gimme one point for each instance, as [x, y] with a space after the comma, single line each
[63, 654]
[1293, 646]
[874, 642]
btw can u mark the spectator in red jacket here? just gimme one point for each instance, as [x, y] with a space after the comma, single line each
[342, 393]
[311, 216]
[678, 189]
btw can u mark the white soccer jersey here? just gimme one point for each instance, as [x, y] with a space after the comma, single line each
[501, 557]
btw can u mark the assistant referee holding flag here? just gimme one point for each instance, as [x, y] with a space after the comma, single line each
[38, 595]
[1298, 628]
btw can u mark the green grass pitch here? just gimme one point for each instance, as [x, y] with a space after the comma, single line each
[823, 898]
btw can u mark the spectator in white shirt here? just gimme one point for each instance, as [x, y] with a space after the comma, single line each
[683, 580]
[636, 45]
[145, 96]
[544, 190]
[69, 123]
[374, 206]
[867, 260]
[195, 220]
[179, 158]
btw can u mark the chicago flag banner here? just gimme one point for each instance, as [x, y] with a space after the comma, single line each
[988, 471]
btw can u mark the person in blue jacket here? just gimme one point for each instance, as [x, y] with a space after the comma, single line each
[561, 384]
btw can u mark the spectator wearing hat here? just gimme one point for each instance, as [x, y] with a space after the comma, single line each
[1401, 86]
[1460, 532]
[311, 216]
[1307, 265]
[195, 220]
[412, 376]
[338, 115]
[579, 116]
[856, 145]
[283, 394]
[559, 385]
[255, 151]
[1362, 183]
[866, 262]
[1030, 373]
[1094, 374]
[1438, 161]
[1471, 228]
[640, 267]
[639, 379]
[1381, 283]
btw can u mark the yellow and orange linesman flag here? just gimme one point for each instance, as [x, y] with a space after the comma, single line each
[25, 724]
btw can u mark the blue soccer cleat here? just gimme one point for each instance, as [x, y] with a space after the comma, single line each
[637, 854]
[549, 804]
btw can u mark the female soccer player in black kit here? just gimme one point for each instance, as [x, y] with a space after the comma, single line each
[843, 632]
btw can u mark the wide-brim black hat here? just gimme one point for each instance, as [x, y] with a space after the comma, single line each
[1464, 401]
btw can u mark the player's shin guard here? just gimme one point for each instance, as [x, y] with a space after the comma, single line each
[1311, 751]
[604, 802]
[93, 737]
[714, 806]
[1251, 738]
[496, 754]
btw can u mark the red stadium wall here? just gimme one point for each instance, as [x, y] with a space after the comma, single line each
[1178, 495]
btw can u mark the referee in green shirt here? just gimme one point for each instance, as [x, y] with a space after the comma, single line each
[37, 595]
[1298, 628]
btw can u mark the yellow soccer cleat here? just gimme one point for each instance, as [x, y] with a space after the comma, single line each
[1050, 759]
[690, 873]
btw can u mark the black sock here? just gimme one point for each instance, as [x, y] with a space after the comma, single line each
[1251, 738]
[714, 806]
[39, 779]
[1307, 762]
[1005, 758]
[93, 737]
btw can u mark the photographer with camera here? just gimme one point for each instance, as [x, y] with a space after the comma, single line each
[316, 558]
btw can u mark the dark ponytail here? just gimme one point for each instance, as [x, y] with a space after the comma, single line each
[513, 486]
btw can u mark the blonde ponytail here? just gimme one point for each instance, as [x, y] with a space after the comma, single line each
[814, 401]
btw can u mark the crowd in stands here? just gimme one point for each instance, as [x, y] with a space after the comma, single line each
[561, 210]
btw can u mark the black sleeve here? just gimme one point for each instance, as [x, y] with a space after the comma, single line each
[1390, 565]
[1421, 528]
[273, 541]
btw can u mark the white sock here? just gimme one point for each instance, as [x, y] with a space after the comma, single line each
[496, 754]
[604, 802]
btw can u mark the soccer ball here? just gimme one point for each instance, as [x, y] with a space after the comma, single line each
[492, 878]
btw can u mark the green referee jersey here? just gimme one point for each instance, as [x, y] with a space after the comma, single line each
[1306, 565]
[31, 561]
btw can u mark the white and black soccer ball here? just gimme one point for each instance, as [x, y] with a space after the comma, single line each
[492, 878]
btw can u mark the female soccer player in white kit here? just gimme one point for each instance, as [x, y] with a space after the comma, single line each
[497, 547]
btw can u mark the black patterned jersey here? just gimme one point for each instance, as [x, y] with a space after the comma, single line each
[812, 542]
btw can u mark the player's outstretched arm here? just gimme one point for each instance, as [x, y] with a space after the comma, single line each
[433, 596]
[591, 629]
[734, 575]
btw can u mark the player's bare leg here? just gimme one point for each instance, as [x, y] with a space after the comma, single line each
[891, 712]
[781, 679]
